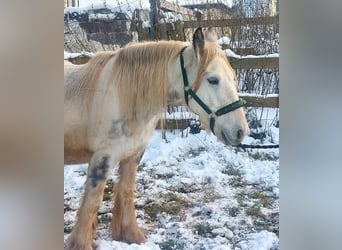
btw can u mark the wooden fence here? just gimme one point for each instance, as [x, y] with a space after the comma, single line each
[233, 22]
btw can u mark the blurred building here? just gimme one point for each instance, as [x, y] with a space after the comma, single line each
[71, 3]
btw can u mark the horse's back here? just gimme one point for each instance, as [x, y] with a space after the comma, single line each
[72, 76]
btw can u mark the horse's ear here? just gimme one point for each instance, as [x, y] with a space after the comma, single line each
[198, 42]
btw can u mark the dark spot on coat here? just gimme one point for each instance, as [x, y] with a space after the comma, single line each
[99, 172]
[119, 127]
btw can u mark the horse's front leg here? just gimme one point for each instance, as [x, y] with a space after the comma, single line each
[124, 223]
[82, 234]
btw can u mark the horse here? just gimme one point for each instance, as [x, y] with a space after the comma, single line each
[112, 105]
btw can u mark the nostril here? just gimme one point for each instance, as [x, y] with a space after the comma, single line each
[239, 134]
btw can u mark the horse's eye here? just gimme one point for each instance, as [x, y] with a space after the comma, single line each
[213, 80]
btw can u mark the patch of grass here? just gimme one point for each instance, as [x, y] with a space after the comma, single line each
[203, 229]
[254, 211]
[241, 199]
[185, 188]
[153, 209]
[262, 199]
[270, 223]
[67, 226]
[171, 196]
[108, 191]
[230, 170]
[210, 195]
[233, 211]
[263, 156]
[237, 181]
[253, 201]
[168, 245]
[66, 208]
[196, 152]
[165, 176]
[141, 166]
[172, 205]
[257, 197]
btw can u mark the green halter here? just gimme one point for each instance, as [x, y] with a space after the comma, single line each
[188, 91]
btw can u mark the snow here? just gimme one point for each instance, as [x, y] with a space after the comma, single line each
[228, 3]
[113, 4]
[260, 241]
[197, 164]
[123, 6]
[169, 17]
[224, 40]
[75, 9]
[231, 53]
[102, 244]
[68, 55]
[258, 96]
[99, 16]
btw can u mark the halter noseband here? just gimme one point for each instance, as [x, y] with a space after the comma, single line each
[188, 91]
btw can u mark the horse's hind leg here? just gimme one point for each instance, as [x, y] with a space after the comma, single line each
[124, 224]
[82, 234]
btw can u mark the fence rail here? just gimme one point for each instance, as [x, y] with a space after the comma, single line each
[233, 22]
[258, 101]
[236, 63]
[254, 63]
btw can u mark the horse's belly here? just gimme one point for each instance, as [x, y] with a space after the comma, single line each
[76, 156]
[76, 150]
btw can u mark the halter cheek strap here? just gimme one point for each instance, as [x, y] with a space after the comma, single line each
[185, 77]
[212, 115]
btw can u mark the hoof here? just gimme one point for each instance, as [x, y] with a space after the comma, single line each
[131, 235]
[77, 246]
[73, 244]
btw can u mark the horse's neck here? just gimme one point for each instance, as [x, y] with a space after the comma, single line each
[175, 88]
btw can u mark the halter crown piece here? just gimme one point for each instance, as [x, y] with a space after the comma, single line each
[188, 91]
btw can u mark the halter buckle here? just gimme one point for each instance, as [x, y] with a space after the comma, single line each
[212, 115]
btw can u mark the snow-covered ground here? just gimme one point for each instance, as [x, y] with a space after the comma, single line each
[194, 193]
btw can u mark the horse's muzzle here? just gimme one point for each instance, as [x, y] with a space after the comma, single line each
[233, 138]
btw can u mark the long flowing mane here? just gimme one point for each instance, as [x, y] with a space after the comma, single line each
[89, 80]
[140, 71]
